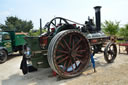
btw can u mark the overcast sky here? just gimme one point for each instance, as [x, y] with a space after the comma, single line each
[77, 10]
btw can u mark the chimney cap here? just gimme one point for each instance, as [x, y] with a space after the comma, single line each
[97, 7]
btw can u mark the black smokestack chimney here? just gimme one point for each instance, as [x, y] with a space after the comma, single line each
[97, 15]
[40, 26]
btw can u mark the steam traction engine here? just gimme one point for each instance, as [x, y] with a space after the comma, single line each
[67, 45]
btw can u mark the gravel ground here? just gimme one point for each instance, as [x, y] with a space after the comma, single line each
[107, 74]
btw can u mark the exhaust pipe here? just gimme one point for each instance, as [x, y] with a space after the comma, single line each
[40, 26]
[98, 19]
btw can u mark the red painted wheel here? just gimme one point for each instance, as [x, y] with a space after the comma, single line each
[69, 53]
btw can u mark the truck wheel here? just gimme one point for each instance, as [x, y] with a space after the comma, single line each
[69, 53]
[3, 56]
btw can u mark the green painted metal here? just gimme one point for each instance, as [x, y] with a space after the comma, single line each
[12, 34]
[7, 45]
[33, 43]
[59, 29]
[38, 56]
[63, 27]
[19, 40]
[10, 40]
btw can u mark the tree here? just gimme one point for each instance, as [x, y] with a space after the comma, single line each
[123, 32]
[110, 28]
[36, 32]
[2, 26]
[16, 24]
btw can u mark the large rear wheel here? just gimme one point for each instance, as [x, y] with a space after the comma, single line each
[69, 53]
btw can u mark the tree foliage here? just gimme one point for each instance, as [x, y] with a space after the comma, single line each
[16, 24]
[123, 32]
[36, 32]
[110, 28]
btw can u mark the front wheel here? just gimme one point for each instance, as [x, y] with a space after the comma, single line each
[110, 52]
[3, 56]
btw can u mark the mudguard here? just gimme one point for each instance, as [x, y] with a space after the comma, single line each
[3, 48]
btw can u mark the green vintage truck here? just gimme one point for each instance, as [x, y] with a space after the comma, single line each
[10, 42]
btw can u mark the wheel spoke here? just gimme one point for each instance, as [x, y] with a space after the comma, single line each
[81, 51]
[60, 21]
[73, 43]
[78, 48]
[64, 65]
[75, 62]
[78, 42]
[78, 59]
[110, 52]
[62, 45]
[72, 67]
[66, 43]
[62, 51]
[57, 57]
[53, 24]
[62, 60]
[70, 39]
[68, 64]
[109, 57]
[79, 55]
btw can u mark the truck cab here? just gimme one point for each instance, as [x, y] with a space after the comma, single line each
[5, 41]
